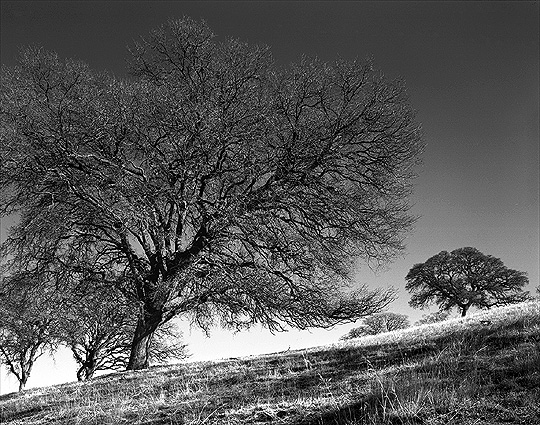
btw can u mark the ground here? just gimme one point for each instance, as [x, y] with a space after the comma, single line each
[482, 369]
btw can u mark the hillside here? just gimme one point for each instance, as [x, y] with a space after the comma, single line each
[483, 369]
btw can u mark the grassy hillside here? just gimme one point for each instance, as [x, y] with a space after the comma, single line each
[484, 369]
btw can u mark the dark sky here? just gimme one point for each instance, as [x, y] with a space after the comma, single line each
[472, 72]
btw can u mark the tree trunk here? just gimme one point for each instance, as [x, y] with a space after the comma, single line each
[85, 372]
[22, 382]
[81, 373]
[464, 309]
[140, 347]
[88, 363]
[26, 368]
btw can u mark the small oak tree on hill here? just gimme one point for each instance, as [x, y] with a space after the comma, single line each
[379, 323]
[29, 324]
[211, 183]
[465, 278]
[98, 327]
[436, 317]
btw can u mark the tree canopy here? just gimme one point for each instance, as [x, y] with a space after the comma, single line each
[436, 317]
[211, 183]
[379, 323]
[464, 278]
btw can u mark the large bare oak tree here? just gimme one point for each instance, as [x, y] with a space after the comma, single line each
[212, 183]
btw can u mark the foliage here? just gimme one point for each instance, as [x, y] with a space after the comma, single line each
[357, 332]
[211, 184]
[379, 323]
[436, 317]
[464, 278]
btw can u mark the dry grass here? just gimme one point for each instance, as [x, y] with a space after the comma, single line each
[484, 369]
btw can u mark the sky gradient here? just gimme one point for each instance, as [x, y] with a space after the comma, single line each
[472, 73]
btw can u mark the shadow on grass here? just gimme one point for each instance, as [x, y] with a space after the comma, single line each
[366, 411]
[20, 415]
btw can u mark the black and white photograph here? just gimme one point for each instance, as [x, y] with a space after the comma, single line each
[269, 212]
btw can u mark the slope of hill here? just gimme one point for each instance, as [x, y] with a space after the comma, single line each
[483, 369]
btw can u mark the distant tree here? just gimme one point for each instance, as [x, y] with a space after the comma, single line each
[379, 323]
[212, 184]
[29, 325]
[438, 316]
[357, 332]
[464, 278]
[386, 322]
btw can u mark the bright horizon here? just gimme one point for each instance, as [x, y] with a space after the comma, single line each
[471, 70]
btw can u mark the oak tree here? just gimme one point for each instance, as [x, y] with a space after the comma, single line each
[379, 323]
[98, 329]
[465, 278]
[212, 183]
[436, 317]
[29, 324]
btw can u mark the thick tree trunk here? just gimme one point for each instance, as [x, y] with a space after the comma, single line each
[88, 364]
[85, 372]
[140, 347]
[22, 381]
[81, 373]
[26, 368]
[464, 310]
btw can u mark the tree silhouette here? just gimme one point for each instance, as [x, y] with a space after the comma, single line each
[464, 278]
[379, 323]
